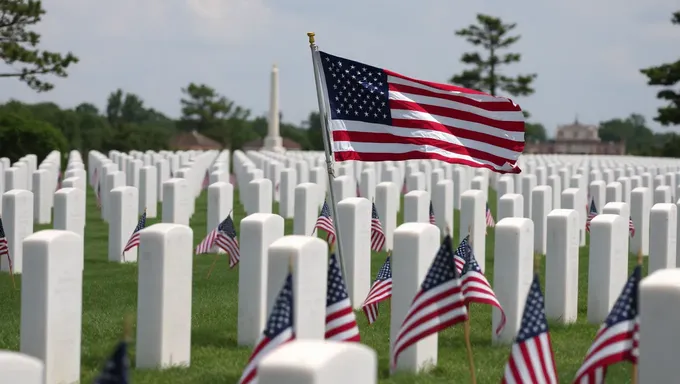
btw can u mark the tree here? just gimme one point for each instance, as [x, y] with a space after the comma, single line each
[314, 132]
[534, 132]
[667, 75]
[491, 34]
[18, 45]
[28, 135]
[633, 130]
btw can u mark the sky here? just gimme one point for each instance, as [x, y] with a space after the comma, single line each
[587, 53]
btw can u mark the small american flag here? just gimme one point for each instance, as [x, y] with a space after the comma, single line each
[476, 287]
[358, 190]
[531, 358]
[592, 212]
[341, 323]
[462, 254]
[438, 305]
[134, 239]
[208, 243]
[433, 221]
[490, 222]
[226, 239]
[325, 222]
[117, 368]
[617, 339]
[4, 246]
[206, 180]
[377, 233]
[631, 227]
[279, 330]
[380, 291]
[380, 115]
[98, 193]
[59, 179]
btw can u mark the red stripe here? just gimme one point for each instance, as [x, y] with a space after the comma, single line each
[370, 137]
[500, 105]
[503, 125]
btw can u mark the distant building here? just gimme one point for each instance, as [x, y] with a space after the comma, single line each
[187, 141]
[575, 139]
[286, 143]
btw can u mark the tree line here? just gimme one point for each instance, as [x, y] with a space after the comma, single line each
[128, 123]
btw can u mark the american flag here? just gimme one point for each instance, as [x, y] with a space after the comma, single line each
[462, 254]
[226, 239]
[438, 305]
[380, 115]
[490, 222]
[279, 330]
[325, 222]
[4, 247]
[377, 233]
[617, 339]
[134, 239]
[592, 212]
[208, 243]
[206, 180]
[341, 323]
[476, 287]
[380, 291]
[117, 368]
[631, 227]
[358, 190]
[59, 179]
[433, 221]
[531, 358]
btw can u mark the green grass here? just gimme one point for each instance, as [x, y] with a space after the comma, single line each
[110, 292]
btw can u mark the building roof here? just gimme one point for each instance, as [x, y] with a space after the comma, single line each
[193, 140]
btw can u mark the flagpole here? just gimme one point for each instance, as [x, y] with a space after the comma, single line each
[327, 146]
[468, 343]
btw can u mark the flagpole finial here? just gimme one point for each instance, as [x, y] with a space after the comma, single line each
[311, 37]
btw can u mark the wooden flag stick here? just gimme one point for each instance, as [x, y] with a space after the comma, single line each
[212, 266]
[468, 343]
[127, 328]
[11, 272]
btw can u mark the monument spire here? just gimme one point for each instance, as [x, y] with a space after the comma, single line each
[273, 139]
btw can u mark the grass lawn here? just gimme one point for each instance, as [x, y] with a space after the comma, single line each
[110, 292]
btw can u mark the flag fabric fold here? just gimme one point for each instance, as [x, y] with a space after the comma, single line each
[134, 238]
[341, 323]
[226, 240]
[379, 115]
[531, 357]
[325, 222]
[117, 367]
[592, 212]
[4, 246]
[438, 304]
[377, 233]
[278, 331]
[617, 339]
[380, 291]
[433, 220]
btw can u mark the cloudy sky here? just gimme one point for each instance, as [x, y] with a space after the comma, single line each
[587, 53]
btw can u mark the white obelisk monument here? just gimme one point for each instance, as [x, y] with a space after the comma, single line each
[273, 139]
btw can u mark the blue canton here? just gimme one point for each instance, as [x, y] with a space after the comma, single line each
[281, 317]
[593, 209]
[471, 264]
[385, 271]
[2, 229]
[464, 250]
[533, 319]
[227, 227]
[336, 290]
[325, 211]
[374, 214]
[431, 209]
[442, 269]
[141, 224]
[626, 306]
[117, 368]
[356, 91]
